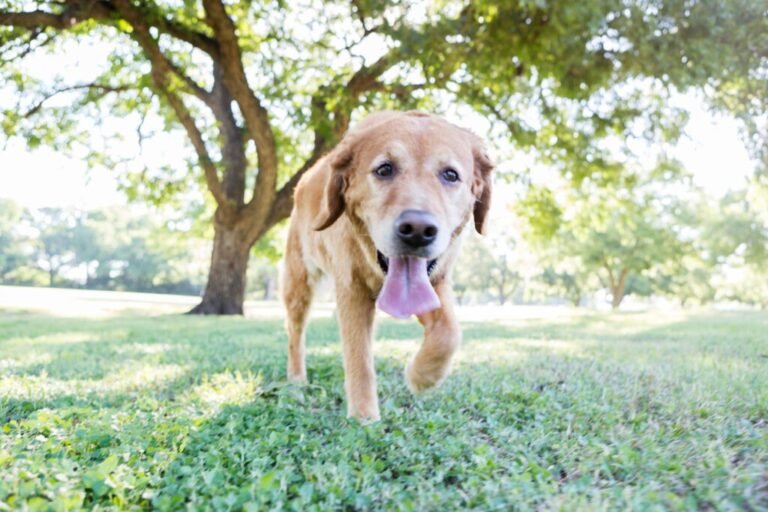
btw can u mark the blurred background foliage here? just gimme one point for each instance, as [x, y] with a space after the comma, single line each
[116, 248]
[611, 244]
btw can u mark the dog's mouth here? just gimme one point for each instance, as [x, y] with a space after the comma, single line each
[407, 289]
[384, 263]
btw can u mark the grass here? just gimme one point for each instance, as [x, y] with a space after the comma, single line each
[594, 411]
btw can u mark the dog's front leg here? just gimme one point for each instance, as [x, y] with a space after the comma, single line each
[442, 336]
[355, 313]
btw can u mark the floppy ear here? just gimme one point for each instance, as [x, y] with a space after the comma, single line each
[481, 186]
[336, 186]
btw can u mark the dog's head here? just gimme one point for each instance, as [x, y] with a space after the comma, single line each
[413, 179]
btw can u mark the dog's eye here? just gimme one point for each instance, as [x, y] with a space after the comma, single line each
[385, 170]
[449, 175]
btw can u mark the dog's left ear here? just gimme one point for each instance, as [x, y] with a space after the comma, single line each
[481, 186]
[340, 161]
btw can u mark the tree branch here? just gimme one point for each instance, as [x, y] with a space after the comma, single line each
[256, 116]
[283, 204]
[161, 77]
[78, 11]
[197, 39]
[37, 19]
[366, 76]
[623, 278]
[187, 121]
[192, 87]
[611, 280]
[515, 129]
[75, 13]
[26, 46]
[101, 87]
[357, 11]
[232, 147]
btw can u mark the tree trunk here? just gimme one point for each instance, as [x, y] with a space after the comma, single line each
[617, 295]
[225, 291]
[269, 288]
[502, 297]
[51, 276]
[618, 288]
[89, 276]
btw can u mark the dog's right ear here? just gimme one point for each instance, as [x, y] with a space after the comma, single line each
[340, 161]
[481, 187]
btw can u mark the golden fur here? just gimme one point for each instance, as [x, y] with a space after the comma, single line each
[343, 213]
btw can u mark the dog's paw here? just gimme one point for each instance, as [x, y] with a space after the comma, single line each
[365, 417]
[418, 380]
[366, 420]
[299, 379]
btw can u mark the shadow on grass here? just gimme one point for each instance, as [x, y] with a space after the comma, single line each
[91, 350]
[226, 432]
[292, 447]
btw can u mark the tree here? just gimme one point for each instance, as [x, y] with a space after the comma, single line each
[10, 216]
[621, 233]
[736, 241]
[500, 273]
[130, 250]
[739, 226]
[619, 239]
[55, 247]
[248, 84]
[570, 283]
[488, 267]
[687, 278]
[265, 255]
[113, 248]
[263, 278]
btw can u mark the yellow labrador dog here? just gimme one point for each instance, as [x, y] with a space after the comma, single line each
[382, 215]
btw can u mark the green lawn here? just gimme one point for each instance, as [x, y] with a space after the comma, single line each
[593, 411]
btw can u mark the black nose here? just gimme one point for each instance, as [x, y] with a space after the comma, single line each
[416, 228]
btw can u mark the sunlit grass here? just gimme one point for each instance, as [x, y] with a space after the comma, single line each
[578, 411]
[224, 389]
[127, 379]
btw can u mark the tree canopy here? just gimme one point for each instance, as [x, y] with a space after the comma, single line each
[262, 90]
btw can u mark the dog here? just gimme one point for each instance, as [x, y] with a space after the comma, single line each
[382, 214]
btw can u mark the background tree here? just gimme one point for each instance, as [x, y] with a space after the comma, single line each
[261, 94]
[265, 255]
[466, 274]
[620, 233]
[688, 277]
[739, 226]
[489, 267]
[109, 249]
[54, 248]
[499, 271]
[137, 251]
[10, 252]
[735, 237]
[566, 280]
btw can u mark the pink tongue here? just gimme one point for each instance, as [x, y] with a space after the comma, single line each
[407, 290]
